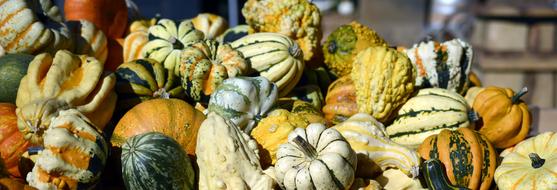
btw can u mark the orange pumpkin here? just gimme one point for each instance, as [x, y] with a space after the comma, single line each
[11, 140]
[109, 15]
[340, 102]
[505, 117]
[13, 184]
[172, 117]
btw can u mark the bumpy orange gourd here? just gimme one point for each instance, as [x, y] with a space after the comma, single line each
[172, 117]
[340, 102]
[506, 118]
[11, 140]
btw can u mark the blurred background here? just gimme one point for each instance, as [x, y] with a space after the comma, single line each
[515, 41]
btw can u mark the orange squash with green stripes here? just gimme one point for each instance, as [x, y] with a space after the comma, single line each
[468, 156]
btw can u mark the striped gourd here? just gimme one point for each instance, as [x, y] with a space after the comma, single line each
[145, 79]
[427, 113]
[469, 158]
[136, 39]
[31, 27]
[442, 65]
[205, 64]
[368, 138]
[74, 154]
[155, 161]
[167, 39]
[275, 56]
[436, 179]
[243, 100]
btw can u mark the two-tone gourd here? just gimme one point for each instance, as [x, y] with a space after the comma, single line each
[210, 24]
[233, 163]
[144, 79]
[136, 39]
[530, 165]
[469, 158]
[243, 100]
[340, 102]
[74, 154]
[368, 137]
[167, 39]
[61, 82]
[427, 113]
[316, 157]
[442, 65]
[435, 177]
[204, 65]
[155, 161]
[275, 56]
[345, 43]
[297, 19]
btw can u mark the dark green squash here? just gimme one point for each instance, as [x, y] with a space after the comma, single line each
[435, 177]
[234, 33]
[13, 67]
[155, 161]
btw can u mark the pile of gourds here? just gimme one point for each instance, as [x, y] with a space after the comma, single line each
[92, 100]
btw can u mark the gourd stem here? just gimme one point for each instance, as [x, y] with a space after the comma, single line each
[519, 94]
[161, 93]
[537, 162]
[305, 147]
[295, 50]
[176, 44]
[473, 116]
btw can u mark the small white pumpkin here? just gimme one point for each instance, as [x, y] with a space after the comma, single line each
[315, 158]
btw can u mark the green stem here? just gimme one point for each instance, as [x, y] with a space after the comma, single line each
[305, 147]
[519, 94]
[176, 44]
[537, 162]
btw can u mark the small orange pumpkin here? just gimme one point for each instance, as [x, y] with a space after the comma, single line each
[11, 140]
[340, 102]
[172, 117]
[506, 118]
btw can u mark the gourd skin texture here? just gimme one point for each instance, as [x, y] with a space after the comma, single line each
[297, 19]
[11, 140]
[368, 137]
[443, 65]
[210, 24]
[74, 156]
[426, 114]
[315, 158]
[233, 163]
[205, 65]
[394, 179]
[65, 81]
[136, 39]
[340, 102]
[516, 171]
[345, 42]
[468, 157]
[384, 80]
[13, 68]
[243, 100]
[506, 118]
[155, 161]
[167, 39]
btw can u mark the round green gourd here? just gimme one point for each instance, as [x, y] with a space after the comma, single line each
[155, 161]
[13, 67]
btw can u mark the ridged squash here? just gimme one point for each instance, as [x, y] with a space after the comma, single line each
[369, 139]
[144, 79]
[297, 19]
[61, 82]
[275, 56]
[89, 39]
[155, 161]
[384, 80]
[340, 102]
[204, 65]
[13, 68]
[167, 39]
[136, 39]
[74, 154]
[343, 44]
[210, 24]
[427, 113]
[244, 100]
[469, 158]
[435, 177]
[443, 65]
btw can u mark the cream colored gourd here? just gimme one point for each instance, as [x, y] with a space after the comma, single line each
[368, 137]
[210, 24]
[531, 164]
[61, 82]
[393, 179]
[315, 158]
[233, 162]
[74, 155]
[89, 39]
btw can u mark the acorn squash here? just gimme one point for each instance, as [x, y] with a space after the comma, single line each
[13, 68]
